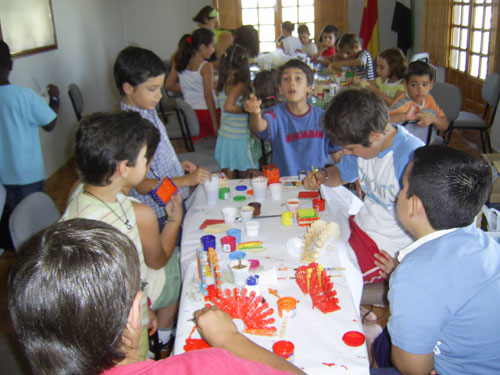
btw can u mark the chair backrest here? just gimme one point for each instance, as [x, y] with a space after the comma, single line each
[190, 116]
[491, 89]
[449, 99]
[76, 99]
[3, 197]
[35, 212]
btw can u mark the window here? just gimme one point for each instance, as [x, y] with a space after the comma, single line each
[470, 36]
[261, 14]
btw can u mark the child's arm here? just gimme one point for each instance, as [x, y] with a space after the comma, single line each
[257, 123]
[337, 64]
[197, 176]
[313, 181]
[410, 363]
[146, 185]
[410, 115]
[217, 329]
[158, 247]
[386, 98]
[172, 81]
[207, 73]
[234, 93]
[386, 263]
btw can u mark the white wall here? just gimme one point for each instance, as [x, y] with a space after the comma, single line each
[89, 36]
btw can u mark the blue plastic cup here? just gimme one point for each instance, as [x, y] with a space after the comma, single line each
[236, 233]
[208, 241]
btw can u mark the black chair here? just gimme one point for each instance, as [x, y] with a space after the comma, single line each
[449, 99]
[76, 99]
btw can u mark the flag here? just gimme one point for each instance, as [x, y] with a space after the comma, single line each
[369, 27]
[401, 23]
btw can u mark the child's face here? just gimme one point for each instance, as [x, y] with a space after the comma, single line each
[366, 152]
[207, 51]
[418, 87]
[294, 85]
[145, 95]
[328, 39]
[351, 53]
[304, 38]
[382, 68]
[403, 205]
[138, 171]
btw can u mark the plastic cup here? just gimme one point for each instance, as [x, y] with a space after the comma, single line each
[275, 191]
[208, 241]
[293, 205]
[256, 207]
[236, 233]
[286, 218]
[287, 307]
[240, 270]
[318, 204]
[252, 228]
[212, 190]
[284, 349]
[259, 186]
[246, 213]
[229, 214]
[228, 244]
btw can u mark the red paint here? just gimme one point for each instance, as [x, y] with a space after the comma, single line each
[284, 349]
[353, 338]
[319, 204]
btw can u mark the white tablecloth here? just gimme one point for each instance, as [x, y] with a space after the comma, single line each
[319, 348]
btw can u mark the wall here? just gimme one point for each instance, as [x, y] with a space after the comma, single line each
[89, 35]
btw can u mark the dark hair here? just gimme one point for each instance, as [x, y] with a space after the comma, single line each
[136, 65]
[288, 26]
[70, 294]
[203, 14]
[105, 139]
[298, 64]
[348, 40]
[235, 58]
[248, 37]
[353, 114]
[420, 68]
[330, 29]
[452, 185]
[189, 45]
[303, 29]
[266, 88]
[5, 58]
[397, 62]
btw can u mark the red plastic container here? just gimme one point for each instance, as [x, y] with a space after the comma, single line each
[284, 349]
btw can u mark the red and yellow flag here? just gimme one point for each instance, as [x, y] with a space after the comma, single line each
[369, 27]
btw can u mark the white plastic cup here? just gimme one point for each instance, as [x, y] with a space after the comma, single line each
[212, 190]
[275, 191]
[259, 186]
[252, 228]
[246, 213]
[240, 275]
[293, 205]
[229, 214]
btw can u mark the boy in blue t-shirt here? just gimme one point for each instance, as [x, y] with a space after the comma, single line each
[445, 293]
[294, 127]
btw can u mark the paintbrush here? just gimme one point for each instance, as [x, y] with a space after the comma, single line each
[314, 170]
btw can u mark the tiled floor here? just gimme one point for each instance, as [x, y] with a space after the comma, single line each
[59, 184]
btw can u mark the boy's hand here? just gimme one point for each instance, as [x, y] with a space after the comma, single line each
[386, 263]
[153, 322]
[174, 207]
[188, 166]
[252, 106]
[313, 181]
[425, 119]
[215, 326]
[413, 112]
[199, 176]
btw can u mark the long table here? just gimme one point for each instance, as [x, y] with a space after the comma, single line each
[319, 347]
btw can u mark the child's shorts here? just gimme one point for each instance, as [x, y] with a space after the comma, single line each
[172, 288]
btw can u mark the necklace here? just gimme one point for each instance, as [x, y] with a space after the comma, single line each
[126, 222]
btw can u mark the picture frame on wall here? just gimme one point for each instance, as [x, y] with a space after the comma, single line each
[27, 26]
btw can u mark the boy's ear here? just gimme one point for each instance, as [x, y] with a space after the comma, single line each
[122, 168]
[417, 208]
[128, 89]
[375, 136]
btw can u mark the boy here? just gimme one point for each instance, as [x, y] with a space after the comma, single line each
[90, 269]
[308, 46]
[377, 153]
[112, 155]
[288, 43]
[350, 53]
[139, 76]
[417, 108]
[445, 293]
[22, 111]
[293, 127]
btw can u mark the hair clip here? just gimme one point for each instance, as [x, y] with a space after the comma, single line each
[270, 97]
[189, 40]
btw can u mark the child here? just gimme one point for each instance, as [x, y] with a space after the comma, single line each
[139, 75]
[196, 78]
[288, 43]
[308, 46]
[390, 67]
[112, 155]
[327, 37]
[232, 150]
[351, 54]
[445, 293]
[294, 126]
[67, 327]
[377, 153]
[417, 108]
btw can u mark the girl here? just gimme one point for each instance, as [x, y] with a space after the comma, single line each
[390, 68]
[328, 37]
[206, 18]
[232, 151]
[196, 79]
